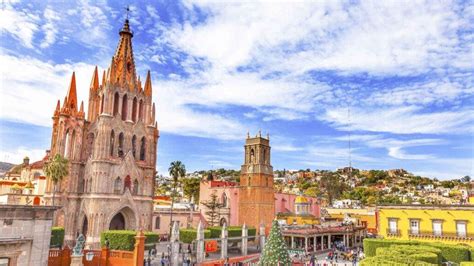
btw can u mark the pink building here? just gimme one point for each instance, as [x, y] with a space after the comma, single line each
[228, 194]
[285, 203]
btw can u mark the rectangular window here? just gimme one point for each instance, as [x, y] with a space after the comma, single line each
[392, 225]
[461, 228]
[437, 227]
[414, 227]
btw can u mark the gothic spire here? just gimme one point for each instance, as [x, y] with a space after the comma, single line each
[122, 69]
[72, 94]
[95, 80]
[148, 89]
[103, 79]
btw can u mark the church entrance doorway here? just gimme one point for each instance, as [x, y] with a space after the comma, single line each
[118, 222]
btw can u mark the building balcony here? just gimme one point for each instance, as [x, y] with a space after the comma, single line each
[440, 235]
[393, 232]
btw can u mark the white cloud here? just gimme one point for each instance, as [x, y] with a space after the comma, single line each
[16, 156]
[401, 120]
[21, 24]
[49, 28]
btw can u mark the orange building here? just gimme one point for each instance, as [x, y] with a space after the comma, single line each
[256, 195]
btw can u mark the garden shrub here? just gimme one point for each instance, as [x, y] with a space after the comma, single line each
[454, 253]
[429, 257]
[393, 261]
[57, 237]
[119, 239]
[371, 244]
[467, 263]
[419, 253]
[472, 254]
[233, 231]
[125, 239]
[189, 235]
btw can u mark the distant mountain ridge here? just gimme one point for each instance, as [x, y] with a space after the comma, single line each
[4, 167]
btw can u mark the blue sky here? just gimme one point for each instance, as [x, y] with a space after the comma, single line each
[404, 69]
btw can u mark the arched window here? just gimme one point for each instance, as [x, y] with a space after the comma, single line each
[140, 111]
[224, 200]
[67, 143]
[120, 148]
[264, 156]
[249, 180]
[116, 103]
[124, 107]
[135, 187]
[134, 110]
[157, 222]
[73, 145]
[142, 149]
[90, 184]
[102, 104]
[252, 155]
[112, 142]
[117, 185]
[134, 146]
[127, 184]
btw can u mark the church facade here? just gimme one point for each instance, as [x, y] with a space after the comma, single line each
[111, 151]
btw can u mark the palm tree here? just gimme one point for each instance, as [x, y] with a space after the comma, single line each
[56, 169]
[176, 170]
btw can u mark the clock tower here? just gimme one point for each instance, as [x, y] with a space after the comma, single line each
[256, 196]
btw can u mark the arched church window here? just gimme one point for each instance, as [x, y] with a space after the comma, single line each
[90, 185]
[249, 181]
[124, 107]
[134, 109]
[73, 145]
[142, 149]
[120, 148]
[134, 146]
[140, 111]
[118, 185]
[116, 103]
[67, 144]
[102, 104]
[90, 144]
[127, 183]
[112, 142]
[264, 154]
[252, 155]
[224, 200]
[135, 187]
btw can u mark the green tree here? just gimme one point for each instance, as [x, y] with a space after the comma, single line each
[191, 188]
[176, 170]
[275, 251]
[333, 186]
[213, 205]
[56, 169]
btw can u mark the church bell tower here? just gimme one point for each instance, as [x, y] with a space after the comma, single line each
[256, 197]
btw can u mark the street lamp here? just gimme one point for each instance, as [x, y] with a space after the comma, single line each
[89, 255]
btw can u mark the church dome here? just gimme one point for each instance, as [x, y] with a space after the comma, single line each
[300, 199]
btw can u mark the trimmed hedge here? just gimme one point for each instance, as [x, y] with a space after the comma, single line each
[467, 263]
[57, 237]
[189, 235]
[420, 253]
[472, 254]
[453, 253]
[391, 260]
[125, 239]
[233, 231]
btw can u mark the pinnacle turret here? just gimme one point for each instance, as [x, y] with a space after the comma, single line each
[95, 80]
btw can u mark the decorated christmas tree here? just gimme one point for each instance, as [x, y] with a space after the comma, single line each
[275, 251]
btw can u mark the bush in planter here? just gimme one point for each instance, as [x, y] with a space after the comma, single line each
[125, 239]
[419, 253]
[189, 235]
[233, 231]
[57, 237]
[467, 263]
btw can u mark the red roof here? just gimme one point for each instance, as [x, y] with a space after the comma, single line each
[39, 164]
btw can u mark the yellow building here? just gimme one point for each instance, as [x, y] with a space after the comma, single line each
[302, 215]
[365, 217]
[450, 224]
